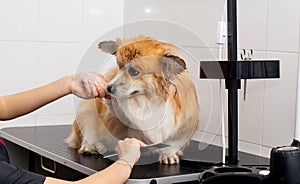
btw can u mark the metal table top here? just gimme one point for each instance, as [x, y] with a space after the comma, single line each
[48, 141]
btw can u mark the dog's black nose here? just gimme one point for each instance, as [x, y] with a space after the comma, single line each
[111, 89]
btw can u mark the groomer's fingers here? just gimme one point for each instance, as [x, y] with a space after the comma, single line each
[101, 92]
[87, 89]
[89, 85]
[93, 90]
[142, 143]
[134, 141]
[101, 85]
[129, 150]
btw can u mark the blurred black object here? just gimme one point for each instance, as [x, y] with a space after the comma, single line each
[295, 143]
[233, 175]
[285, 165]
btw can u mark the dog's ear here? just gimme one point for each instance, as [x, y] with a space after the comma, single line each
[171, 66]
[110, 47]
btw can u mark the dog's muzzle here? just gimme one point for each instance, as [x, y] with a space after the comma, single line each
[111, 89]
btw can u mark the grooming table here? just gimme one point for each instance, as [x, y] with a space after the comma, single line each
[48, 142]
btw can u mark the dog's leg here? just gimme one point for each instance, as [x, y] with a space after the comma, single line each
[87, 148]
[101, 148]
[170, 155]
[168, 158]
[75, 139]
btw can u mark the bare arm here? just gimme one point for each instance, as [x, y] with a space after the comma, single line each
[128, 153]
[22, 103]
[84, 85]
[117, 173]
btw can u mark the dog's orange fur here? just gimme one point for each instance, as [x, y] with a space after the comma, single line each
[166, 78]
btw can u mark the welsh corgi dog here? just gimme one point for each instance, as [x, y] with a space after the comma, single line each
[153, 99]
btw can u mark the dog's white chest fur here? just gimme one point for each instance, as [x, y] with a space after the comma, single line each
[153, 117]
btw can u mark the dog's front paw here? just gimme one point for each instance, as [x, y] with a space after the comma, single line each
[101, 148]
[87, 149]
[168, 158]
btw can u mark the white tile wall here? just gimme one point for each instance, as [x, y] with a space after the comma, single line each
[18, 70]
[280, 102]
[203, 17]
[57, 59]
[253, 24]
[100, 17]
[249, 148]
[42, 40]
[265, 151]
[60, 20]
[19, 20]
[251, 110]
[151, 9]
[283, 31]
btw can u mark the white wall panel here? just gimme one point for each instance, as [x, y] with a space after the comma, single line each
[283, 25]
[101, 17]
[280, 102]
[60, 20]
[19, 20]
[252, 24]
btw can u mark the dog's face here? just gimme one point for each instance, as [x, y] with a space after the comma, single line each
[145, 67]
[133, 79]
[146, 75]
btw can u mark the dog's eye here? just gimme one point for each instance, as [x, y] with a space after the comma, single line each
[133, 72]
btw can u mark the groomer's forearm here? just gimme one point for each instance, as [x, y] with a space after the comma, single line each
[12, 106]
[115, 174]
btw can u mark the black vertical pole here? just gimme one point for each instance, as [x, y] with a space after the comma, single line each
[232, 84]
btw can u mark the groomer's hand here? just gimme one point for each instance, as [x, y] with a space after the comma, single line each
[89, 85]
[128, 150]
